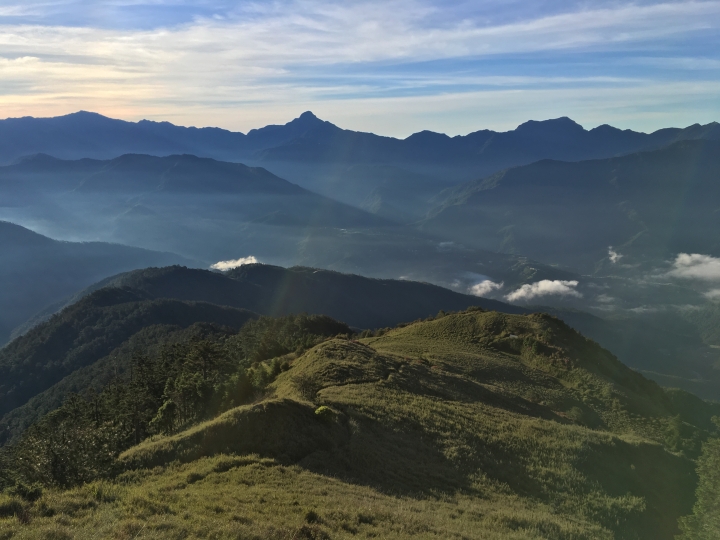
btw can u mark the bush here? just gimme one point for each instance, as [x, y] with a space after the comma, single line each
[704, 522]
[326, 414]
[310, 533]
[28, 492]
[10, 506]
[312, 517]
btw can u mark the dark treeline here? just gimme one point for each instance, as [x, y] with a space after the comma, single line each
[182, 383]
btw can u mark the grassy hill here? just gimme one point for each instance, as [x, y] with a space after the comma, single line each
[470, 425]
[71, 350]
[83, 346]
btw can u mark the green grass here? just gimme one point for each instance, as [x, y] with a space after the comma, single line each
[253, 497]
[474, 425]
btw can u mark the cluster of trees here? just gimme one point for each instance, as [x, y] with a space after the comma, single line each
[704, 522]
[89, 330]
[182, 383]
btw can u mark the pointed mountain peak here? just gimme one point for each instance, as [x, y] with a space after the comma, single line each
[308, 120]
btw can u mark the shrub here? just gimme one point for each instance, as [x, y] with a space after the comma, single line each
[326, 414]
[312, 517]
[310, 533]
[29, 492]
[10, 506]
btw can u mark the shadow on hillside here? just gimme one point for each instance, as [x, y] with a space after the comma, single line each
[665, 480]
[392, 461]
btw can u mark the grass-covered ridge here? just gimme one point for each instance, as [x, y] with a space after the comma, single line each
[471, 425]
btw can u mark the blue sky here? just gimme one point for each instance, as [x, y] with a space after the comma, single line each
[393, 67]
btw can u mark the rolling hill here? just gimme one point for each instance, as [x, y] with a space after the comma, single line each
[38, 272]
[83, 334]
[474, 425]
[39, 369]
[71, 350]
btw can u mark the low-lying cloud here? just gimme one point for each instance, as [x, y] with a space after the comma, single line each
[614, 255]
[229, 265]
[696, 266]
[485, 287]
[713, 294]
[545, 287]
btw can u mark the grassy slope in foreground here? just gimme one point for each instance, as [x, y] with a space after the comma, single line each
[474, 425]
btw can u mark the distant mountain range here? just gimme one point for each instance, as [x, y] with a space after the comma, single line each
[648, 206]
[362, 169]
[200, 207]
[212, 211]
[401, 217]
[307, 138]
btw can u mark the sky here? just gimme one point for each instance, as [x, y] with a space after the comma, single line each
[393, 67]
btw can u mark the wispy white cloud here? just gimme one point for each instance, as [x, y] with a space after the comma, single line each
[484, 288]
[254, 62]
[229, 265]
[332, 33]
[545, 287]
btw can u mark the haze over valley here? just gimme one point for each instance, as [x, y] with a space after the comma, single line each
[580, 234]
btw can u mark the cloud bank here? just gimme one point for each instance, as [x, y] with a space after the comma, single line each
[545, 287]
[484, 288]
[229, 265]
[696, 266]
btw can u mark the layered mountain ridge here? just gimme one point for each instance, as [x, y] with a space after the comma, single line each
[649, 206]
[38, 272]
[332, 161]
[90, 135]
